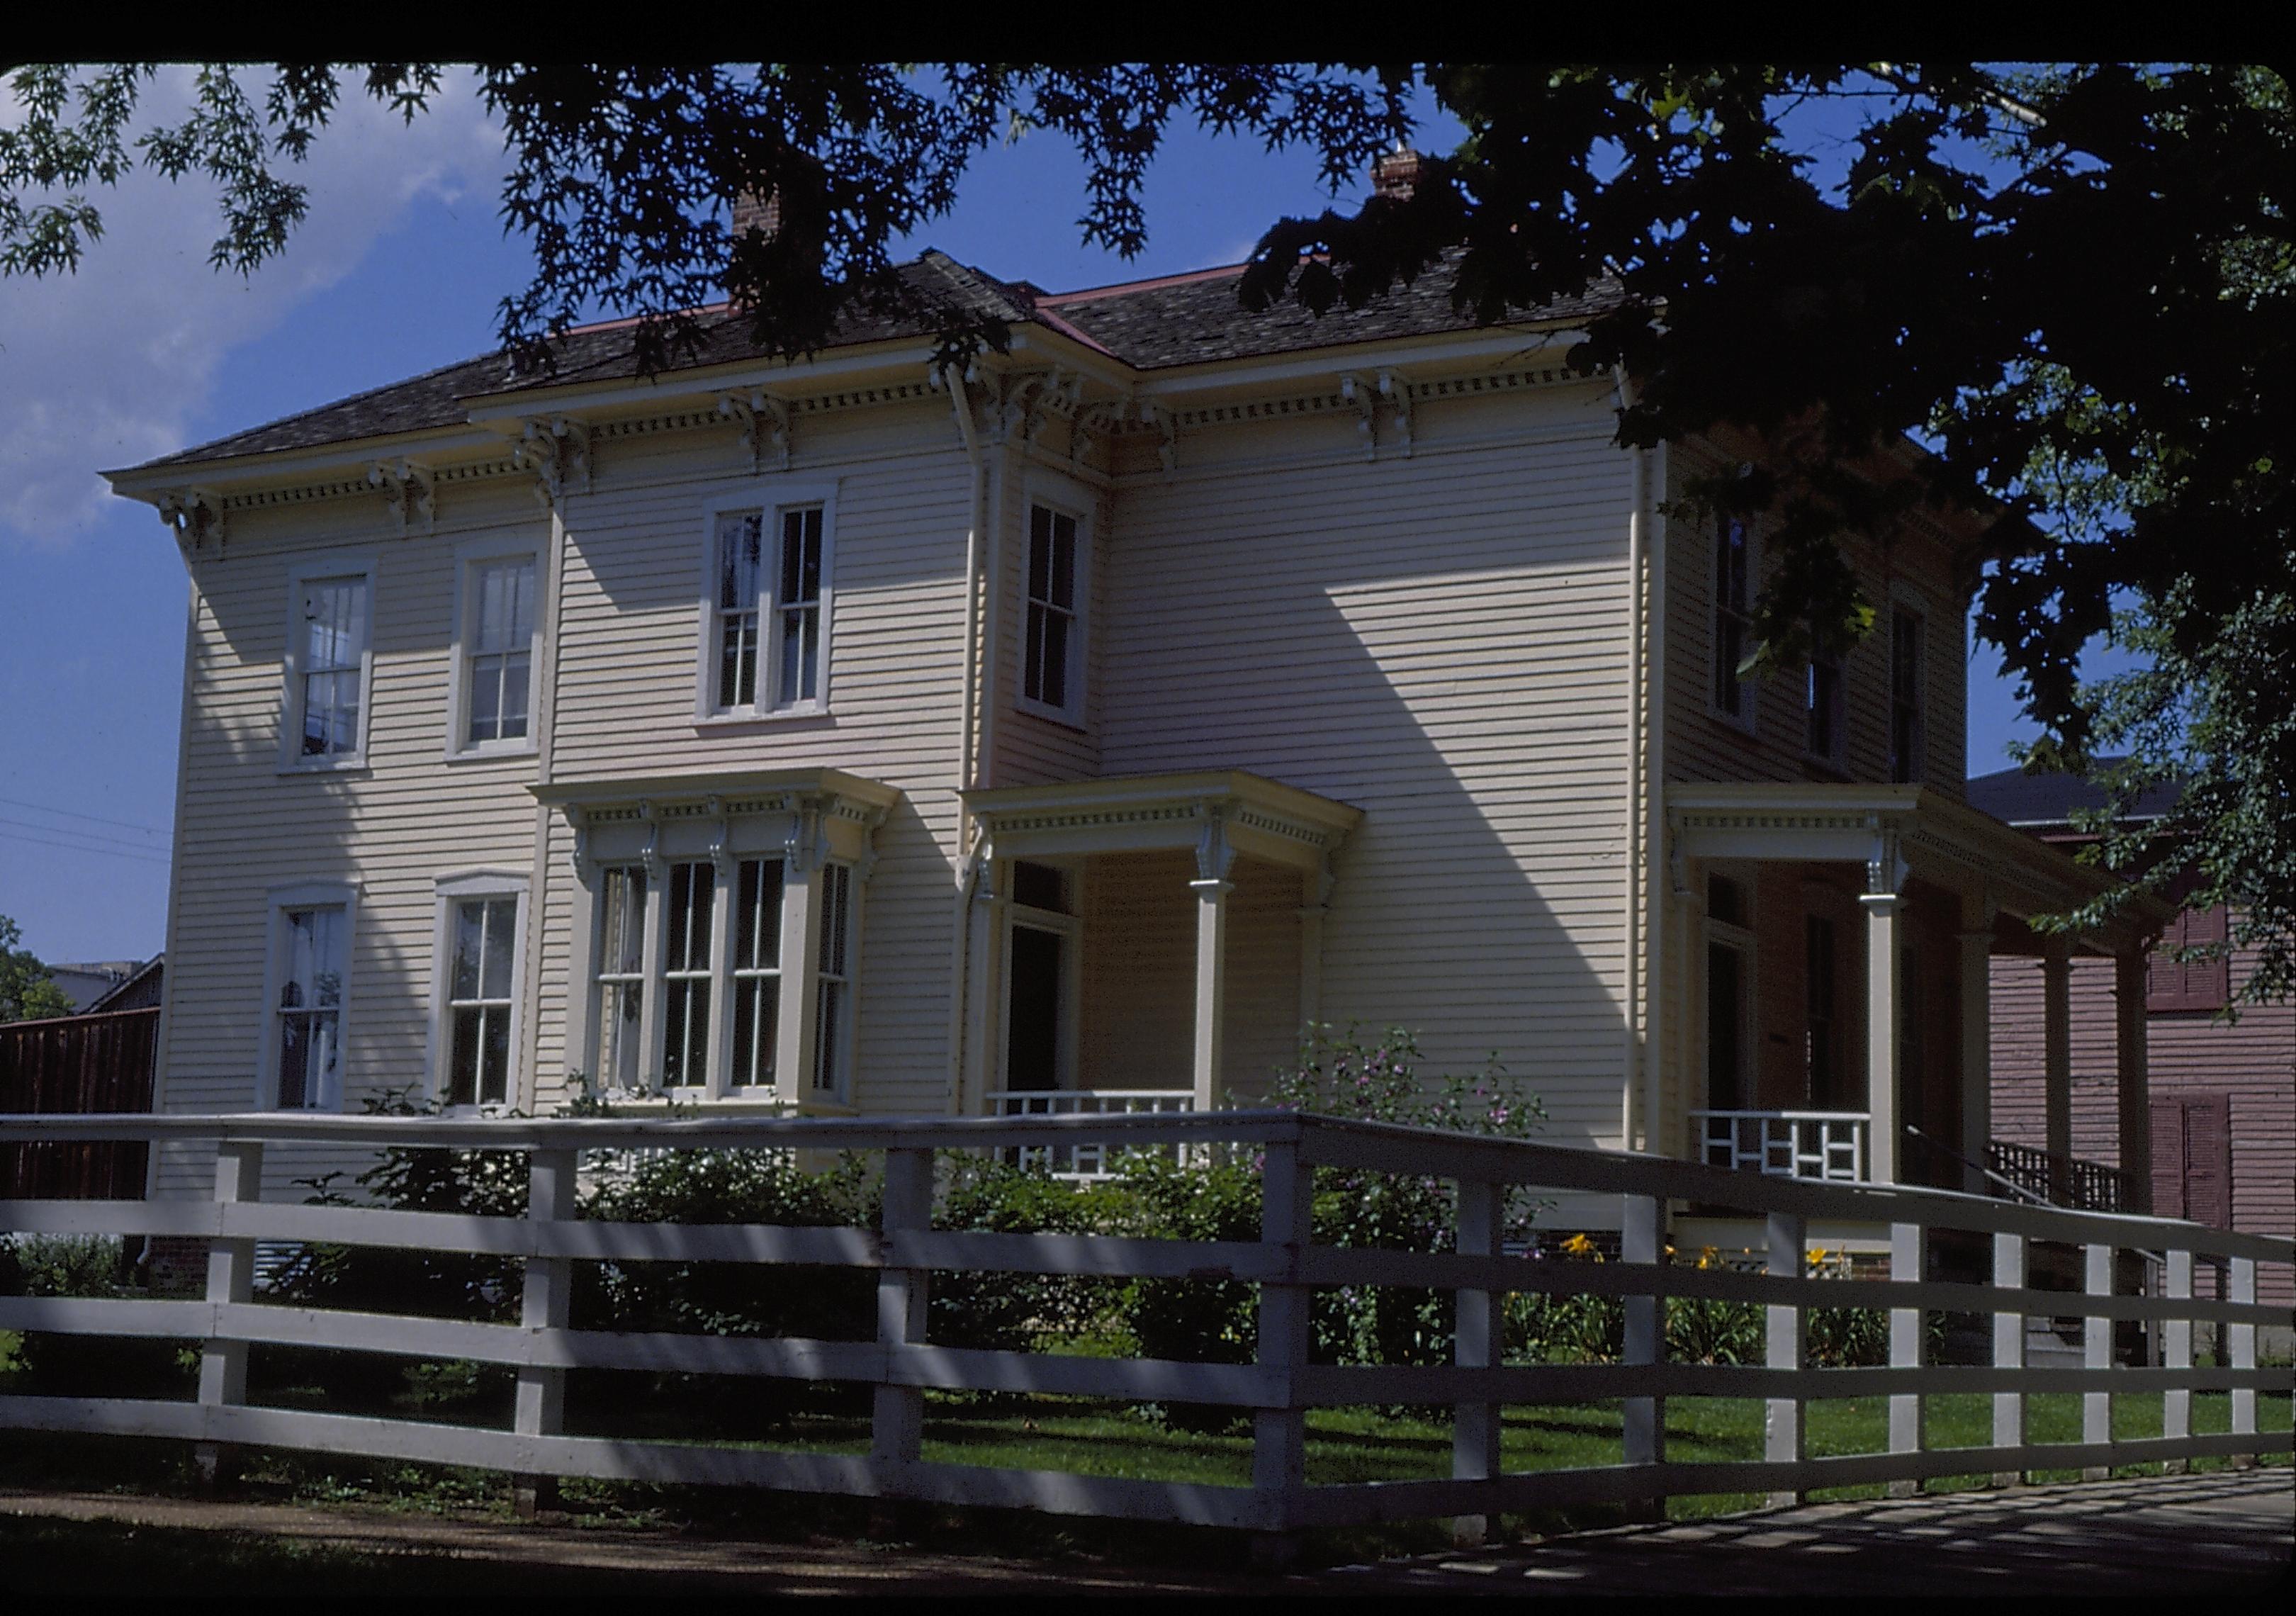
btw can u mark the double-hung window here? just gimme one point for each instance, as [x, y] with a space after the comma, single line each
[329, 666]
[1051, 668]
[478, 953]
[834, 1009]
[687, 976]
[1907, 731]
[621, 1062]
[309, 976]
[496, 640]
[767, 619]
[1733, 575]
[1823, 710]
[757, 973]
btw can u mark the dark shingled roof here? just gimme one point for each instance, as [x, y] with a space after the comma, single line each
[1150, 324]
[2014, 797]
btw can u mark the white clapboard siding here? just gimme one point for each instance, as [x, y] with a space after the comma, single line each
[1439, 641]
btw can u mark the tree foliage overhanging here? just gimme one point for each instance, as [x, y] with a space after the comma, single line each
[2071, 284]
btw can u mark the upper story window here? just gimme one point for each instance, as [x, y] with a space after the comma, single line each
[768, 622]
[329, 666]
[1734, 575]
[1823, 710]
[2205, 983]
[1909, 736]
[310, 966]
[1051, 666]
[495, 639]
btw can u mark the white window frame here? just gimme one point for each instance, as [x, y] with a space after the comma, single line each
[301, 576]
[470, 557]
[1905, 600]
[1750, 697]
[1067, 499]
[771, 503]
[451, 891]
[277, 903]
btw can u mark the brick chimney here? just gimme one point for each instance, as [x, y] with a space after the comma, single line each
[1395, 176]
[765, 215]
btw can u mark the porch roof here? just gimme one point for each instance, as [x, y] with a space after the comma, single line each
[1249, 813]
[1897, 829]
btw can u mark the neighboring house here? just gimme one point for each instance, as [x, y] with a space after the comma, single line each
[86, 983]
[1064, 733]
[2219, 1134]
[138, 989]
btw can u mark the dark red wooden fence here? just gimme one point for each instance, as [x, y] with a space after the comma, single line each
[77, 1063]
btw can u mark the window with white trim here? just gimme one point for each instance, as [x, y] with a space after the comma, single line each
[1909, 736]
[1052, 672]
[718, 985]
[307, 1015]
[621, 1062]
[770, 615]
[481, 989]
[1733, 577]
[328, 664]
[833, 1008]
[497, 642]
[1823, 710]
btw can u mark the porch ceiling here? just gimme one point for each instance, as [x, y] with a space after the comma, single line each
[1897, 829]
[1245, 813]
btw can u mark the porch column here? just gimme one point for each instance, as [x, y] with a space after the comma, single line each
[2136, 1104]
[1884, 1014]
[2057, 1059]
[1976, 939]
[1211, 888]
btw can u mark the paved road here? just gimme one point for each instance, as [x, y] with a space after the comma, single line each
[2221, 1533]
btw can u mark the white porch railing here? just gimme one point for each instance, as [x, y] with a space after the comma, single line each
[1826, 1145]
[1082, 1162]
[1284, 1262]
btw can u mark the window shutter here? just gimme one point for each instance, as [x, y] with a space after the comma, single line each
[2202, 984]
[2168, 1157]
[2208, 1160]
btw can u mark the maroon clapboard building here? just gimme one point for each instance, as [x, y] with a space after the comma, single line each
[2222, 1146]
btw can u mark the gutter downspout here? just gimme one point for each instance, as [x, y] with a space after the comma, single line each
[968, 837]
[1635, 1050]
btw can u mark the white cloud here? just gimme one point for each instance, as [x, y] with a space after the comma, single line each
[105, 367]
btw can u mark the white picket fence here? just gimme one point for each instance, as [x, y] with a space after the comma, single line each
[1278, 1387]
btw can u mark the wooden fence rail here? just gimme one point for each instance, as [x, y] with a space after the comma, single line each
[1278, 1387]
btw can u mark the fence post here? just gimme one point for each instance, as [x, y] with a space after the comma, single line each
[898, 1418]
[1476, 1345]
[1787, 1349]
[1643, 1342]
[2241, 1340]
[231, 1279]
[2008, 1350]
[2096, 1353]
[540, 1408]
[1279, 1435]
[2177, 1401]
[1908, 1347]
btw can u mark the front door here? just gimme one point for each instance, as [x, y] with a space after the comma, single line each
[1034, 997]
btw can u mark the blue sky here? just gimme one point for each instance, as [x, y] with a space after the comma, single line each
[397, 269]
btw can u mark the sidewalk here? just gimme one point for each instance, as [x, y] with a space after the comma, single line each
[2227, 1531]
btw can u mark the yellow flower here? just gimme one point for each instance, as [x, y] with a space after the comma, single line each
[1578, 1245]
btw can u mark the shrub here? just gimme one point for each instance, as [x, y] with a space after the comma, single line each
[1014, 1312]
[91, 1365]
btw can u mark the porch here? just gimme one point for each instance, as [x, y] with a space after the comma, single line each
[1826, 1015]
[1141, 945]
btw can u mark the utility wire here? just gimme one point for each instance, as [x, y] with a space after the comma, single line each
[78, 848]
[125, 825]
[97, 837]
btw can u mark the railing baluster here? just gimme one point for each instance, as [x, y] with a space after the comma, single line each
[1279, 1435]
[1909, 1255]
[2241, 1338]
[897, 1416]
[2096, 1353]
[231, 1279]
[2177, 1401]
[2008, 1350]
[540, 1407]
[1784, 1439]
[1475, 1428]
[1644, 1343]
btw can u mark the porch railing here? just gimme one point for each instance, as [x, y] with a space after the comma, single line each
[1084, 1161]
[1284, 1263]
[2087, 1186]
[1826, 1145]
